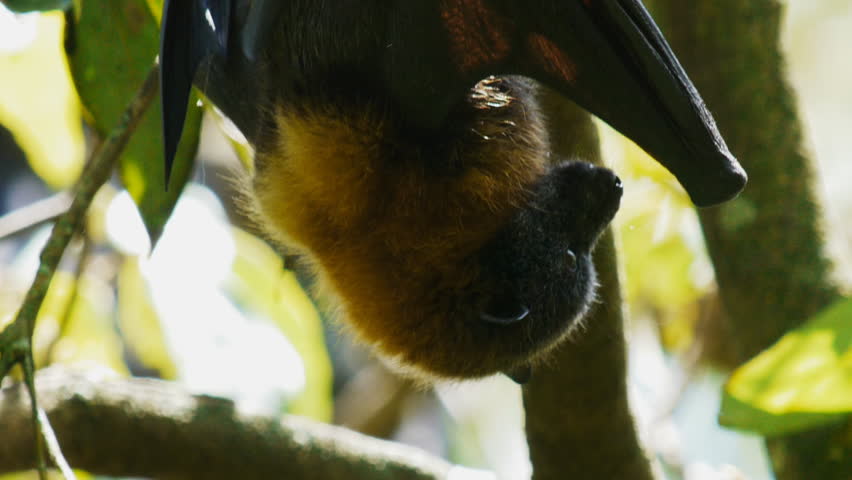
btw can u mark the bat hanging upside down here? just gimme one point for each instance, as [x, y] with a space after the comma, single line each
[401, 151]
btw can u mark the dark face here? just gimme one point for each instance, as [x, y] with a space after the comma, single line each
[542, 260]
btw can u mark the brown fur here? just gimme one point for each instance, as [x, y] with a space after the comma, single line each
[388, 236]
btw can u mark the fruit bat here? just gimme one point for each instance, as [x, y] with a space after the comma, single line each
[400, 149]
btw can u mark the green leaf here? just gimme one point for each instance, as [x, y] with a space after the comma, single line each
[22, 6]
[114, 48]
[37, 100]
[804, 380]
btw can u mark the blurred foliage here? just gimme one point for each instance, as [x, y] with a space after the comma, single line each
[132, 33]
[77, 316]
[75, 324]
[804, 380]
[259, 281]
[36, 5]
[139, 322]
[667, 270]
[51, 475]
[37, 99]
[107, 316]
[254, 286]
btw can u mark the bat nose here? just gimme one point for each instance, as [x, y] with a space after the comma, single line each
[609, 190]
[608, 182]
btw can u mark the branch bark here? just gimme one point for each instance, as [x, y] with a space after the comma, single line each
[152, 428]
[578, 421]
[766, 247]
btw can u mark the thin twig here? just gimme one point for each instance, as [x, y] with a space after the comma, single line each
[52, 445]
[29, 380]
[35, 214]
[16, 339]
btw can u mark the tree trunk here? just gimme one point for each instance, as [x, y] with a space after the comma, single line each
[577, 419]
[766, 247]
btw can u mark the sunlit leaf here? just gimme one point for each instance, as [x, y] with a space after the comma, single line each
[37, 99]
[139, 322]
[156, 7]
[108, 78]
[235, 138]
[803, 380]
[261, 283]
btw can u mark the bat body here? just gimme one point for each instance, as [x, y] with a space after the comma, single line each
[400, 153]
[456, 255]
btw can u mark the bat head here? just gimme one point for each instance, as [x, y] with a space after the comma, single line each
[543, 259]
[536, 279]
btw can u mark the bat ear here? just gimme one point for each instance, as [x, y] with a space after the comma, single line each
[192, 30]
[610, 58]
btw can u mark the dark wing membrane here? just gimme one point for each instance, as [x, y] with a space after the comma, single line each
[218, 14]
[704, 165]
[606, 55]
[192, 30]
[261, 18]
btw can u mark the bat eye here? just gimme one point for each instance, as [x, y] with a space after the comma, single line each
[571, 260]
[505, 313]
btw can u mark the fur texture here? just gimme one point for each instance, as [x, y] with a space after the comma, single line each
[418, 236]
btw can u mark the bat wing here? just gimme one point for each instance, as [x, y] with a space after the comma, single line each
[198, 31]
[606, 55]
[192, 31]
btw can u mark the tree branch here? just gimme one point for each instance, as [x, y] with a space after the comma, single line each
[31, 216]
[152, 428]
[578, 422]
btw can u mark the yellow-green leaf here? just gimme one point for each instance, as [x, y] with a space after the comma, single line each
[803, 380]
[37, 99]
[261, 283]
[75, 324]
